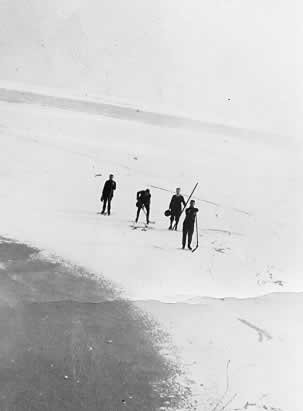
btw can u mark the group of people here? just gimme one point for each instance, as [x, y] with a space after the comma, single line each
[176, 206]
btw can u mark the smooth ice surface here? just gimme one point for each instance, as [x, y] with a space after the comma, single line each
[250, 220]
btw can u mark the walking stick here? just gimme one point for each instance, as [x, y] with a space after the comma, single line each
[191, 194]
[197, 245]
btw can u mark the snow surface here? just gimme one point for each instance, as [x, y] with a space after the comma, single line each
[249, 242]
[238, 355]
[250, 220]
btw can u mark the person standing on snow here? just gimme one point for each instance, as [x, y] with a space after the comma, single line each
[189, 224]
[143, 201]
[108, 193]
[175, 207]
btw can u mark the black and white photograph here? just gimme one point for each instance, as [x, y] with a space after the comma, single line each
[151, 205]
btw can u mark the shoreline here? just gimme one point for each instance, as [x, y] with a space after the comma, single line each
[68, 341]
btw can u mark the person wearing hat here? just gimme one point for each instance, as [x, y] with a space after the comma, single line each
[175, 208]
[189, 224]
[108, 193]
[143, 202]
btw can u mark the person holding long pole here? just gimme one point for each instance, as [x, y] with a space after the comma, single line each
[175, 207]
[191, 194]
[189, 224]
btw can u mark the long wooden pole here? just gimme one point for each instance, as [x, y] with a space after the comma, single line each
[197, 231]
[191, 194]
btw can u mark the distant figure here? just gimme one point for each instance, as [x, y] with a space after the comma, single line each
[175, 207]
[189, 224]
[143, 201]
[108, 193]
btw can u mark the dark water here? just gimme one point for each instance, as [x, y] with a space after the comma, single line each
[68, 342]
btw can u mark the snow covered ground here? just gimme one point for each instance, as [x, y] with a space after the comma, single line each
[250, 219]
[238, 354]
[250, 237]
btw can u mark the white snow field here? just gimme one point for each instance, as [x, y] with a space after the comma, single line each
[239, 353]
[233, 308]
[249, 197]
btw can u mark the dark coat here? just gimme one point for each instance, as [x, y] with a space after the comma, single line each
[190, 217]
[143, 198]
[108, 189]
[176, 202]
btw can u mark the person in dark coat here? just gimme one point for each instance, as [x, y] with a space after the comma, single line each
[143, 202]
[189, 224]
[108, 193]
[175, 207]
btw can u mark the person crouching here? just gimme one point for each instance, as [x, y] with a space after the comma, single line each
[143, 202]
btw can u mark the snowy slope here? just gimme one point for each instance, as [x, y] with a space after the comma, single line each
[236, 66]
[250, 206]
[238, 354]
